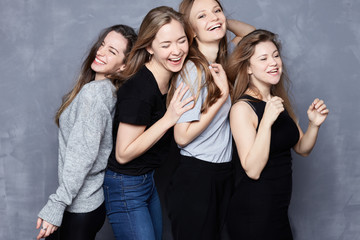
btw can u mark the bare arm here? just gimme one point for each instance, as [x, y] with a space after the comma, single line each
[253, 147]
[185, 133]
[240, 29]
[317, 113]
[132, 140]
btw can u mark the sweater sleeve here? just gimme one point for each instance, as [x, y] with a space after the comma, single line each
[79, 155]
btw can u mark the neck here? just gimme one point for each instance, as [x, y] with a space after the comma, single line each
[264, 90]
[99, 76]
[162, 76]
[210, 50]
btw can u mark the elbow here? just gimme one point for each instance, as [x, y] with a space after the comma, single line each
[304, 154]
[181, 141]
[253, 175]
[121, 159]
[252, 172]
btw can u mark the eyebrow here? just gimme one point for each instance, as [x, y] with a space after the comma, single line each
[204, 10]
[170, 41]
[114, 49]
[267, 54]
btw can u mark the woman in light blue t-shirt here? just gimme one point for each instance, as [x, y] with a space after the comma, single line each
[201, 186]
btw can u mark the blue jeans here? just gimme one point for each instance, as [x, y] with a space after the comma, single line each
[133, 206]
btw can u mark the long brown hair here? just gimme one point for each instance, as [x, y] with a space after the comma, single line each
[239, 62]
[87, 74]
[201, 63]
[151, 24]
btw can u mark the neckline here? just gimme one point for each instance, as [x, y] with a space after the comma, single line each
[153, 80]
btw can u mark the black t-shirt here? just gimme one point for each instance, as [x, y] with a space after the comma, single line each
[140, 102]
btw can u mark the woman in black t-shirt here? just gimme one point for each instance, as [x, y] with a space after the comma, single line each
[141, 124]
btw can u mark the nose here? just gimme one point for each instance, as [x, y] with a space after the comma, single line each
[214, 17]
[100, 51]
[273, 61]
[176, 49]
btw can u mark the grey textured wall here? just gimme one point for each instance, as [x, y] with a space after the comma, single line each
[43, 43]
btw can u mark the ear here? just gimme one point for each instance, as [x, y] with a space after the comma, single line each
[121, 68]
[149, 50]
[249, 70]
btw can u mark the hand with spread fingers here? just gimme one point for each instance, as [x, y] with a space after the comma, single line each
[46, 228]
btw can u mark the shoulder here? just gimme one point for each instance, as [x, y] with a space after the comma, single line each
[97, 91]
[140, 85]
[242, 109]
[191, 75]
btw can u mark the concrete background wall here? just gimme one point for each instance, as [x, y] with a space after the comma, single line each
[43, 43]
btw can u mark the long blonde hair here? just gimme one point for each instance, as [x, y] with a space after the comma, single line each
[87, 74]
[239, 62]
[201, 63]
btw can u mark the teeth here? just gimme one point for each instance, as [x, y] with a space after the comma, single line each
[214, 27]
[175, 59]
[98, 61]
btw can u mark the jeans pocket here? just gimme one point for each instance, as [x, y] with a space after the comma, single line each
[131, 182]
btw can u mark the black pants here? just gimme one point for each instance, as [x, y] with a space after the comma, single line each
[80, 226]
[197, 199]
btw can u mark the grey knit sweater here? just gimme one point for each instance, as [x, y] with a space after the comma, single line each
[85, 142]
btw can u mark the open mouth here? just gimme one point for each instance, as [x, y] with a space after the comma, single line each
[99, 61]
[212, 28]
[175, 60]
[274, 71]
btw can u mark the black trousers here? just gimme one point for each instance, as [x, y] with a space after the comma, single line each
[197, 198]
[80, 226]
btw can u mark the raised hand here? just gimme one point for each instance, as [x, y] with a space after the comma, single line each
[46, 228]
[317, 112]
[177, 106]
[273, 109]
[220, 78]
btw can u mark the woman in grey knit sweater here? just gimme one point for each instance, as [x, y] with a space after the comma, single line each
[85, 141]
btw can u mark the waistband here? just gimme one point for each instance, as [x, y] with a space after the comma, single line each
[195, 162]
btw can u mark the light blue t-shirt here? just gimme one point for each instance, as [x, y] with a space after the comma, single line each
[214, 144]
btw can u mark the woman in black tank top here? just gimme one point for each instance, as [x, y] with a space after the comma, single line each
[265, 129]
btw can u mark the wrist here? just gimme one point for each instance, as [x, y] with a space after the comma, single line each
[313, 125]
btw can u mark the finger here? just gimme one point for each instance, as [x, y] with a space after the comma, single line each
[40, 235]
[217, 67]
[186, 108]
[321, 108]
[38, 223]
[319, 103]
[48, 231]
[212, 71]
[276, 98]
[326, 111]
[316, 100]
[182, 93]
[186, 101]
[178, 89]
[311, 107]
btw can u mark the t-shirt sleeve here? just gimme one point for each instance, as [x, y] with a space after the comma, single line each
[192, 81]
[134, 105]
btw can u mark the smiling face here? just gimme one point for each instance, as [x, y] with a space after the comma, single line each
[110, 55]
[207, 20]
[170, 47]
[265, 65]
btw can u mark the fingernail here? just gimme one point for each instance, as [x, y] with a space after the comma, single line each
[210, 67]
